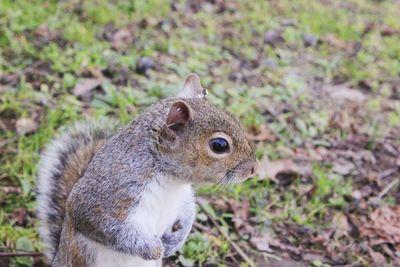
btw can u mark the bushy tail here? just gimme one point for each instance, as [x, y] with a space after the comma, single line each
[61, 165]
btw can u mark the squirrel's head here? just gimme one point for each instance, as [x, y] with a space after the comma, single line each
[201, 143]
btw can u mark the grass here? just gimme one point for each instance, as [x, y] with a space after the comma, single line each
[48, 47]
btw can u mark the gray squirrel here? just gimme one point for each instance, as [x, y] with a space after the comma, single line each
[109, 197]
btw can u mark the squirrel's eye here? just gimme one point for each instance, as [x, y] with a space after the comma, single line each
[219, 145]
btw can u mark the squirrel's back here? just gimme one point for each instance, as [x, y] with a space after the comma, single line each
[61, 165]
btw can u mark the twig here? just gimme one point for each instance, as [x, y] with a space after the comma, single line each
[201, 227]
[234, 245]
[388, 172]
[385, 190]
[21, 254]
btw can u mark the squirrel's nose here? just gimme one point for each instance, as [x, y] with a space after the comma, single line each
[254, 168]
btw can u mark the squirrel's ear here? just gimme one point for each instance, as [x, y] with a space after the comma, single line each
[192, 87]
[179, 114]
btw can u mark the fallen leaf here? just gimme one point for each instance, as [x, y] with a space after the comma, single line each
[261, 244]
[11, 189]
[285, 247]
[283, 263]
[343, 167]
[219, 204]
[356, 194]
[388, 31]
[85, 86]
[341, 120]
[377, 257]
[332, 39]
[272, 169]
[383, 226]
[26, 126]
[260, 134]
[342, 93]
[241, 216]
[313, 257]
[273, 37]
[20, 216]
[121, 39]
[341, 225]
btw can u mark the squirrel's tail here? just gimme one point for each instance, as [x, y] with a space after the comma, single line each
[62, 163]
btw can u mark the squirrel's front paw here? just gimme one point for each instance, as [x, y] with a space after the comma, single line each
[172, 242]
[154, 250]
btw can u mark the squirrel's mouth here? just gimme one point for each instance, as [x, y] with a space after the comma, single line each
[240, 173]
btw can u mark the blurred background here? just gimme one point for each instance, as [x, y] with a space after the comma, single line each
[315, 84]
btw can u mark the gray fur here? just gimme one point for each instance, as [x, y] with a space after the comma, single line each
[118, 174]
[50, 168]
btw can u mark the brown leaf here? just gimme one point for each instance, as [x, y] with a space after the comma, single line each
[283, 263]
[340, 120]
[332, 39]
[313, 257]
[378, 258]
[388, 31]
[285, 247]
[20, 216]
[341, 225]
[121, 39]
[26, 126]
[383, 226]
[241, 216]
[85, 86]
[261, 243]
[342, 93]
[392, 253]
[11, 189]
[272, 169]
[219, 204]
[260, 134]
[343, 167]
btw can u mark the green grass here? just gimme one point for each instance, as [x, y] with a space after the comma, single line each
[49, 46]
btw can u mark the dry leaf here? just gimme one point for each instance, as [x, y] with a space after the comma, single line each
[383, 226]
[85, 86]
[343, 167]
[25, 126]
[219, 204]
[341, 225]
[11, 189]
[272, 169]
[334, 41]
[343, 93]
[241, 216]
[260, 134]
[378, 258]
[20, 216]
[121, 39]
[261, 244]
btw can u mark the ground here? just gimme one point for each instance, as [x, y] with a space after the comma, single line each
[315, 84]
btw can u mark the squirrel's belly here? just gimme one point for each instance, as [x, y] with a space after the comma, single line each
[155, 214]
[111, 258]
[105, 257]
[159, 206]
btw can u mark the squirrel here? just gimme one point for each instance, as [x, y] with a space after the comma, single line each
[110, 196]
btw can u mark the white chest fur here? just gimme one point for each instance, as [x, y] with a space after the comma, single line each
[159, 205]
[156, 212]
